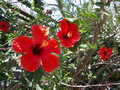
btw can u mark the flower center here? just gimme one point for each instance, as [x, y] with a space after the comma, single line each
[3, 26]
[66, 37]
[105, 53]
[37, 50]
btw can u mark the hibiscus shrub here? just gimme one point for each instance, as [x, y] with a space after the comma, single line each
[73, 45]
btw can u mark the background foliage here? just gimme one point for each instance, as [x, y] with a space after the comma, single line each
[99, 25]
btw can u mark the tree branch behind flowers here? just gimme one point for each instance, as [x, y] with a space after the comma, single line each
[88, 56]
[22, 12]
[114, 60]
[60, 6]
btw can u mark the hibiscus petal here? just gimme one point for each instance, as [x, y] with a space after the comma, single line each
[30, 62]
[76, 37]
[6, 26]
[22, 44]
[75, 32]
[50, 62]
[67, 43]
[60, 35]
[101, 52]
[108, 55]
[103, 57]
[104, 49]
[109, 50]
[73, 27]
[64, 25]
[39, 33]
[53, 45]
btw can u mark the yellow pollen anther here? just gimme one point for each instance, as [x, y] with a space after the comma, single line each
[69, 34]
[45, 43]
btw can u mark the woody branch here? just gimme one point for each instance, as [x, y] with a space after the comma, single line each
[88, 56]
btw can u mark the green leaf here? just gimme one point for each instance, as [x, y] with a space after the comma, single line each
[94, 77]
[84, 46]
[73, 20]
[97, 10]
[1, 11]
[37, 4]
[73, 49]
[90, 14]
[100, 4]
[116, 0]
[77, 21]
[91, 45]
[70, 19]
[3, 76]
[107, 4]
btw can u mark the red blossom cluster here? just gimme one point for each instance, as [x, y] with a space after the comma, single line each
[105, 53]
[4, 26]
[39, 49]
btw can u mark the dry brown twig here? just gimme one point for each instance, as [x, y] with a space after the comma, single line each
[95, 85]
[5, 49]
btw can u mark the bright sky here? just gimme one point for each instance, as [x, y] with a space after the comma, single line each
[27, 9]
[56, 13]
[51, 1]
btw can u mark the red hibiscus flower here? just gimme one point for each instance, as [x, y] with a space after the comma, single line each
[105, 53]
[4, 26]
[69, 33]
[38, 50]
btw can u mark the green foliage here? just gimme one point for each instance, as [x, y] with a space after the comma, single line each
[100, 4]
[95, 71]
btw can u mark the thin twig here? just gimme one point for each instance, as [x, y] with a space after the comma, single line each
[53, 5]
[16, 86]
[95, 85]
[4, 48]
[97, 73]
[108, 76]
[17, 58]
